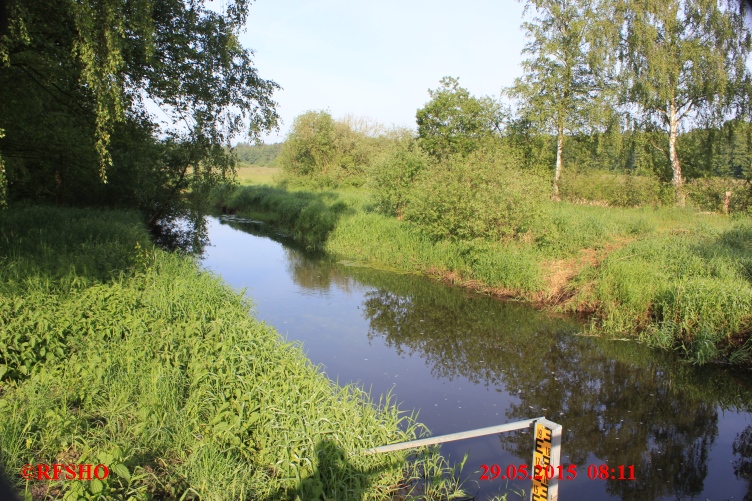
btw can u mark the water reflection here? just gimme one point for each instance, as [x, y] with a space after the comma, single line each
[743, 458]
[619, 402]
[184, 231]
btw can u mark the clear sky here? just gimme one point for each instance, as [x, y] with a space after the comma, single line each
[379, 58]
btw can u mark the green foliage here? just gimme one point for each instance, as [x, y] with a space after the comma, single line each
[724, 151]
[309, 216]
[376, 238]
[562, 90]
[709, 194]
[454, 122]
[698, 299]
[258, 154]
[323, 152]
[682, 62]
[159, 372]
[482, 196]
[615, 190]
[3, 180]
[394, 173]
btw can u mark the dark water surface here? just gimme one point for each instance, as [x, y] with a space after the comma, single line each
[466, 361]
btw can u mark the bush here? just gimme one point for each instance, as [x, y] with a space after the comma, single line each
[394, 173]
[615, 190]
[482, 196]
[322, 152]
[709, 194]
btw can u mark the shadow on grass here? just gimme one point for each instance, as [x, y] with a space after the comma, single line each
[333, 477]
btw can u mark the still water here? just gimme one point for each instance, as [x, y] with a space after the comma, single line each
[465, 361]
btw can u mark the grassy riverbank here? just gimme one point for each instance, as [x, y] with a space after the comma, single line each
[667, 276]
[114, 352]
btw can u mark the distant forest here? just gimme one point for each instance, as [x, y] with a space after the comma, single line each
[264, 155]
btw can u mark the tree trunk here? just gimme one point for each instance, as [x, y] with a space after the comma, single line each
[559, 149]
[678, 180]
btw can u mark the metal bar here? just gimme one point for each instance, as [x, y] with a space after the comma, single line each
[501, 428]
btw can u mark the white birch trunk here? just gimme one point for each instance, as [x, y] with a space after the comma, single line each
[678, 180]
[559, 149]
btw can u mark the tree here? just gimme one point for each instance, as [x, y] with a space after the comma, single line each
[309, 148]
[327, 151]
[683, 62]
[73, 75]
[561, 90]
[454, 122]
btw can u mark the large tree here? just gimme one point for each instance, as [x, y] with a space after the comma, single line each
[454, 121]
[76, 79]
[561, 91]
[683, 63]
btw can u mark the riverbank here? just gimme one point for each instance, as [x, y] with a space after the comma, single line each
[668, 277]
[115, 352]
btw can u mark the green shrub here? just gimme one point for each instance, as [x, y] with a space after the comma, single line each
[709, 194]
[394, 173]
[322, 152]
[481, 196]
[616, 190]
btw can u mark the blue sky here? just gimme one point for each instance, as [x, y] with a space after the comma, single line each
[379, 58]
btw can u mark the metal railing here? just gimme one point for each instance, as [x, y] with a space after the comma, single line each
[546, 450]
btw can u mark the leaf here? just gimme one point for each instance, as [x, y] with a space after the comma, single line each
[96, 486]
[122, 471]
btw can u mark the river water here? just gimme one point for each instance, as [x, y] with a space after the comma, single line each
[465, 361]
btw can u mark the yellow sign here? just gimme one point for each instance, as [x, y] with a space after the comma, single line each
[541, 461]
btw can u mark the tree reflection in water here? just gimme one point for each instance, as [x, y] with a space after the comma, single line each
[743, 458]
[619, 402]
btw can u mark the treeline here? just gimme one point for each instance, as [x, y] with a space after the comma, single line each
[264, 155]
[658, 90]
[469, 159]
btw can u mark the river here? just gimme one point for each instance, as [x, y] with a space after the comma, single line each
[464, 361]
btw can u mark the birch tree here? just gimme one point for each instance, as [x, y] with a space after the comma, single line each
[564, 76]
[682, 61]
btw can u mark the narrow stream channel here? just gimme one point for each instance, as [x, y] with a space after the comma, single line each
[465, 361]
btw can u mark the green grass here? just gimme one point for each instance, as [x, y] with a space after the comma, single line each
[114, 352]
[690, 290]
[254, 174]
[670, 277]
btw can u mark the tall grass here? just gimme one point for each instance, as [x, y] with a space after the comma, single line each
[114, 352]
[688, 290]
[670, 277]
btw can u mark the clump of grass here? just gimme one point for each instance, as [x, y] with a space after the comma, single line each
[156, 369]
[690, 291]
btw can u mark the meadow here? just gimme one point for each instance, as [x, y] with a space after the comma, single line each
[254, 174]
[113, 351]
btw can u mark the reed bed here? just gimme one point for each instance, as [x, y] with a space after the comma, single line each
[114, 352]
